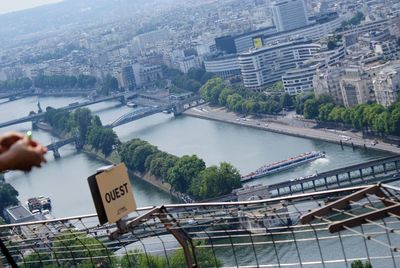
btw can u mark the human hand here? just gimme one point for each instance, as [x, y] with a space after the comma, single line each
[8, 139]
[23, 155]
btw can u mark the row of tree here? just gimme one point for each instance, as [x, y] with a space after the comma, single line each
[368, 117]
[8, 196]
[17, 84]
[186, 174]
[192, 81]
[241, 100]
[65, 81]
[74, 249]
[86, 126]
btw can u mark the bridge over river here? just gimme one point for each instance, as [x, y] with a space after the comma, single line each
[176, 106]
[72, 106]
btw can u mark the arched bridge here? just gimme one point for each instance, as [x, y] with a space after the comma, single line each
[72, 106]
[57, 145]
[135, 115]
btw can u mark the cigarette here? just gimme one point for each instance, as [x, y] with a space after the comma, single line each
[29, 135]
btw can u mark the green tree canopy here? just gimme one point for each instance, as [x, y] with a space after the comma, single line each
[8, 196]
[185, 172]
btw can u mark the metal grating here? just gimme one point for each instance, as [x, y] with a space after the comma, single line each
[322, 229]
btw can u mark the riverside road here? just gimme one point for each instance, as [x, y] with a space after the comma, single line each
[291, 125]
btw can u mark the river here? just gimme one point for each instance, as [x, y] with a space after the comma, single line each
[65, 180]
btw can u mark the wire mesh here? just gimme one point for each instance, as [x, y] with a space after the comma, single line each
[261, 233]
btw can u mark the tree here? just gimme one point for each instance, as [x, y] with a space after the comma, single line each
[139, 259]
[204, 256]
[286, 101]
[78, 246]
[324, 111]
[185, 170]
[360, 264]
[8, 196]
[140, 154]
[83, 118]
[196, 73]
[161, 163]
[311, 109]
[224, 95]
[110, 83]
[216, 181]
[103, 139]
[300, 101]
[211, 90]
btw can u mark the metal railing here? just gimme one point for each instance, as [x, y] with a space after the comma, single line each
[293, 231]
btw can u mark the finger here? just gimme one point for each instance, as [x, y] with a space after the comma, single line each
[13, 134]
[43, 160]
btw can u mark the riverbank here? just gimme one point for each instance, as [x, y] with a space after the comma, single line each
[113, 159]
[297, 128]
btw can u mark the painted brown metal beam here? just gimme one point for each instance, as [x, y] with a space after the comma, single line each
[340, 204]
[361, 219]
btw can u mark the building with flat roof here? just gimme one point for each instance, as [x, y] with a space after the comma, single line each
[18, 214]
[128, 77]
[289, 14]
[326, 81]
[224, 66]
[299, 80]
[267, 65]
[356, 86]
[387, 85]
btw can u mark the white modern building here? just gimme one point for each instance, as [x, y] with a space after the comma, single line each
[187, 63]
[245, 41]
[289, 14]
[299, 80]
[387, 85]
[314, 31]
[223, 66]
[268, 64]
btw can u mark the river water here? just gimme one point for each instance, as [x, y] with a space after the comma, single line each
[65, 180]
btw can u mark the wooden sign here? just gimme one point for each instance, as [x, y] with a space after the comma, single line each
[112, 193]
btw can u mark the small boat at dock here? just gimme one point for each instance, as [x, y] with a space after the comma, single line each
[131, 104]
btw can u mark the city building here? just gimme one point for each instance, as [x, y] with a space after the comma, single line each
[243, 42]
[312, 31]
[267, 65]
[18, 214]
[299, 80]
[187, 63]
[150, 39]
[224, 66]
[387, 85]
[145, 75]
[356, 86]
[289, 14]
[128, 77]
[326, 81]
[246, 41]
[395, 26]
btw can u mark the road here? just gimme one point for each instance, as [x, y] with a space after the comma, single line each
[290, 125]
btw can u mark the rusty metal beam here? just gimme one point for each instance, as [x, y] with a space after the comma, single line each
[180, 236]
[340, 204]
[361, 219]
[124, 228]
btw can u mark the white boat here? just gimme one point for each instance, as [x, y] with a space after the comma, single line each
[131, 104]
[283, 165]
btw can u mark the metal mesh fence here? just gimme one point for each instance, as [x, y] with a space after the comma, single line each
[322, 229]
